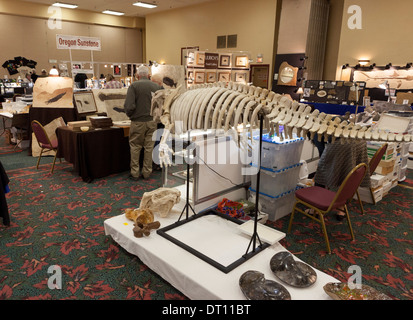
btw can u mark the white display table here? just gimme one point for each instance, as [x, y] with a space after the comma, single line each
[216, 237]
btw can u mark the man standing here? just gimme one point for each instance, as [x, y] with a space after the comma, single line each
[138, 108]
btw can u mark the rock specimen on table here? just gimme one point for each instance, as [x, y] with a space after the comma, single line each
[255, 287]
[161, 200]
[294, 273]
[144, 215]
[141, 229]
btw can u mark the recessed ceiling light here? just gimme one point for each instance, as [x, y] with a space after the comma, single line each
[65, 5]
[145, 5]
[115, 13]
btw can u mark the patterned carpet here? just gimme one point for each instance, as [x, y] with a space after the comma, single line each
[58, 220]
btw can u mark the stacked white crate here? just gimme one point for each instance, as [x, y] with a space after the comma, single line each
[401, 122]
[385, 175]
[279, 175]
[403, 158]
[391, 169]
[410, 158]
[393, 166]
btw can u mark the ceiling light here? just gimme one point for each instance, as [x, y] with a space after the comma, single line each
[65, 5]
[115, 13]
[145, 5]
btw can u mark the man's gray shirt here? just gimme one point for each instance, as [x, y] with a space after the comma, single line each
[138, 100]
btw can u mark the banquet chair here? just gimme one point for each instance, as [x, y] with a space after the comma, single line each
[322, 200]
[373, 163]
[44, 142]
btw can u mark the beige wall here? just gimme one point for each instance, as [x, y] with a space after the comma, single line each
[25, 32]
[31, 38]
[294, 20]
[37, 10]
[385, 35]
[253, 22]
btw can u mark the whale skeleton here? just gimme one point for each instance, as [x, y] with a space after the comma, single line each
[233, 108]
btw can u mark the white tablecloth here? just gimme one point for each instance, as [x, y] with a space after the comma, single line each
[220, 240]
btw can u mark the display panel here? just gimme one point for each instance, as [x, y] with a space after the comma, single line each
[85, 102]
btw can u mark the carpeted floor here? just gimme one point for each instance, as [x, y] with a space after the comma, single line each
[58, 220]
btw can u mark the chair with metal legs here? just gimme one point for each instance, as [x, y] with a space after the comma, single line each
[322, 200]
[44, 142]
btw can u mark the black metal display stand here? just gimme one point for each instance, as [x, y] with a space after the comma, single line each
[248, 254]
[187, 205]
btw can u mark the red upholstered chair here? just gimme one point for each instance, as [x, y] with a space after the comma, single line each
[323, 200]
[44, 142]
[373, 163]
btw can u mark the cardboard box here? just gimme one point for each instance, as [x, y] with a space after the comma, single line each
[386, 188]
[366, 195]
[377, 180]
[384, 170]
[372, 148]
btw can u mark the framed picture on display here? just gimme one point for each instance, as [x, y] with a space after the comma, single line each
[211, 77]
[241, 61]
[225, 60]
[199, 77]
[117, 71]
[200, 58]
[85, 102]
[190, 76]
[188, 55]
[240, 77]
[224, 76]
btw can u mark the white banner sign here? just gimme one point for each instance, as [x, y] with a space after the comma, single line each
[78, 43]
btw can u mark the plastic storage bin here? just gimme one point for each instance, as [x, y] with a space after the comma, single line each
[402, 173]
[276, 207]
[275, 182]
[277, 154]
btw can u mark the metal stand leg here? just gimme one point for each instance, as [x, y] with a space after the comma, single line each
[187, 205]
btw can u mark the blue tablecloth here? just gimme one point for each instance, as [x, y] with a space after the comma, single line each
[339, 109]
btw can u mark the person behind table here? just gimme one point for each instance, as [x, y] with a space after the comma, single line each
[112, 83]
[138, 108]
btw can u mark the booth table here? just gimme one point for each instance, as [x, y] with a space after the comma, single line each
[96, 153]
[195, 278]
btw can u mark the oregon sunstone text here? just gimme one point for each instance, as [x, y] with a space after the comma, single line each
[79, 42]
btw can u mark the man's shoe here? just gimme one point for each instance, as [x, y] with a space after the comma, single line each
[156, 167]
[131, 177]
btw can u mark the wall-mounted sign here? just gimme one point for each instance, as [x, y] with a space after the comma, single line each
[211, 60]
[78, 43]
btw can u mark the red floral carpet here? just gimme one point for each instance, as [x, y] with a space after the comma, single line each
[58, 220]
[383, 246]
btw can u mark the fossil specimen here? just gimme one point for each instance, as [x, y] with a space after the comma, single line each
[255, 287]
[294, 273]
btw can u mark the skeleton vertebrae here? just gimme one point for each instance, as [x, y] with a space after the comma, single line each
[225, 106]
